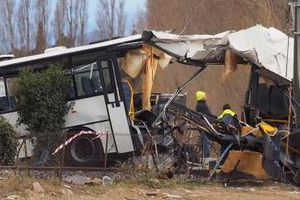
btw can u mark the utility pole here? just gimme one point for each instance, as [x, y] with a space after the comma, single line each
[296, 79]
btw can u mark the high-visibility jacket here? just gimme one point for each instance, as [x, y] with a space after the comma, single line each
[227, 112]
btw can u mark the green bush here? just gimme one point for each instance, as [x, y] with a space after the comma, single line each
[42, 104]
[8, 143]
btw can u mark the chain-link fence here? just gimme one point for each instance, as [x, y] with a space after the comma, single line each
[177, 149]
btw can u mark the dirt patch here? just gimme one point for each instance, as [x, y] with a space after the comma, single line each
[21, 188]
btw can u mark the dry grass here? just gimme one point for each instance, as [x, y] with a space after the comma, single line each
[21, 185]
[138, 189]
[13, 184]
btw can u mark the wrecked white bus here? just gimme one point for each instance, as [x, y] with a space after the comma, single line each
[96, 98]
[267, 98]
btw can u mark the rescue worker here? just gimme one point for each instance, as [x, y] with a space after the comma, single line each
[229, 117]
[203, 108]
[201, 103]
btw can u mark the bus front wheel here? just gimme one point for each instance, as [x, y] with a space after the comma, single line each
[84, 151]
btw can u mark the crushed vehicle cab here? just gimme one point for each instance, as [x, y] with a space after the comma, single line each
[268, 123]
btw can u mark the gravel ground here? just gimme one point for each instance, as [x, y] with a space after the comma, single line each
[134, 185]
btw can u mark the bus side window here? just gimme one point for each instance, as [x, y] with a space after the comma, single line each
[87, 80]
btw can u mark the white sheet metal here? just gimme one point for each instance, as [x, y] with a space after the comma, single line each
[78, 49]
[269, 48]
[273, 49]
[189, 46]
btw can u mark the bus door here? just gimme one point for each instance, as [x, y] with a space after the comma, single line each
[115, 106]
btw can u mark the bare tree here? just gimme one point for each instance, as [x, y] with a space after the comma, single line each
[7, 24]
[69, 7]
[83, 16]
[58, 24]
[28, 26]
[141, 21]
[111, 18]
[43, 10]
[70, 22]
[24, 24]
[3, 46]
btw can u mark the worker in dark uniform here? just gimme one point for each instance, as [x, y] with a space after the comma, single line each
[228, 117]
[201, 103]
[203, 108]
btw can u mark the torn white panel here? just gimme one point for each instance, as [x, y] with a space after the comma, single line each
[170, 37]
[270, 46]
[164, 60]
[189, 46]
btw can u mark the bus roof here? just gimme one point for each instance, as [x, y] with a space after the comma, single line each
[67, 51]
[271, 50]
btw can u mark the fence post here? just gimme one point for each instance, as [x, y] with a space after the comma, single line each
[26, 157]
[62, 160]
[105, 155]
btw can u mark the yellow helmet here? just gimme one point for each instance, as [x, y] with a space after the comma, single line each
[200, 95]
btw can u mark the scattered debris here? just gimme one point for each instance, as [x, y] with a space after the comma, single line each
[67, 186]
[106, 180]
[187, 191]
[53, 194]
[273, 188]
[37, 187]
[82, 180]
[13, 197]
[77, 179]
[151, 193]
[94, 181]
[132, 198]
[173, 196]
[295, 192]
